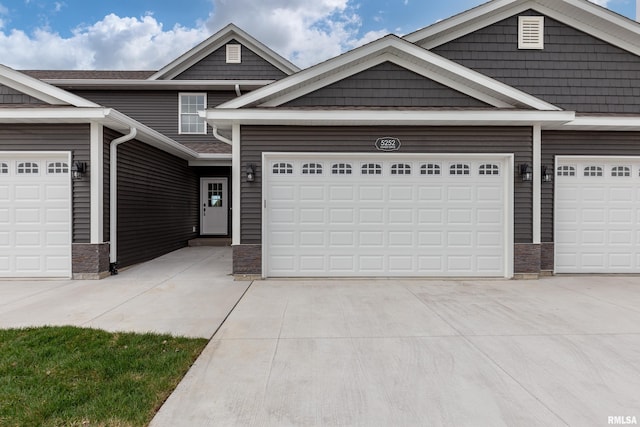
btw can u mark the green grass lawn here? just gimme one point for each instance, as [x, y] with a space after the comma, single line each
[85, 377]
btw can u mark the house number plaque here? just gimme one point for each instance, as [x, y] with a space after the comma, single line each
[388, 144]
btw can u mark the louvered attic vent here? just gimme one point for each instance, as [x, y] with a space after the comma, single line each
[234, 54]
[531, 32]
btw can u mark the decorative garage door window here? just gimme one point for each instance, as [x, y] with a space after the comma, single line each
[312, 169]
[566, 171]
[401, 169]
[620, 171]
[4, 168]
[430, 169]
[593, 171]
[282, 169]
[371, 169]
[25, 168]
[341, 169]
[459, 169]
[57, 167]
[489, 169]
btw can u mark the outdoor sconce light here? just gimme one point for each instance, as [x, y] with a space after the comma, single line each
[78, 170]
[547, 175]
[525, 173]
[251, 172]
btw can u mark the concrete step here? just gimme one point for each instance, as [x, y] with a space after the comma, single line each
[210, 241]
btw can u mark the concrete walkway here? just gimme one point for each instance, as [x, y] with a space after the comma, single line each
[554, 352]
[188, 292]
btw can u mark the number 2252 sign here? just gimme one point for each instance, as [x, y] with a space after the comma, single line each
[388, 144]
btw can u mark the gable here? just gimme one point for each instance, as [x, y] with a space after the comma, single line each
[386, 85]
[215, 67]
[575, 70]
[14, 97]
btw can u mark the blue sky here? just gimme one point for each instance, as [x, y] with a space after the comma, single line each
[147, 34]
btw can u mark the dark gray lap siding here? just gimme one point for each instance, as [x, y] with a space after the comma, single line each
[258, 139]
[562, 143]
[50, 137]
[157, 202]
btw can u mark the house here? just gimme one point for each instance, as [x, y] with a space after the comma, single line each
[501, 142]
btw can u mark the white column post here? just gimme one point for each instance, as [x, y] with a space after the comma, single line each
[236, 177]
[537, 183]
[97, 183]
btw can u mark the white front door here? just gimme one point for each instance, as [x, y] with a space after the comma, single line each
[214, 206]
[387, 216]
[35, 214]
[597, 215]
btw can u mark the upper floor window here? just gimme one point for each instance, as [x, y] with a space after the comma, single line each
[190, 121]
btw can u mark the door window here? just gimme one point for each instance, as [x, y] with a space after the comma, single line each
[215, 195]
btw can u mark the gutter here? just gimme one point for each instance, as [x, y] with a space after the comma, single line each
[113, 198]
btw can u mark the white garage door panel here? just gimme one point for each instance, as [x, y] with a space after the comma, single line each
[404, 224]
[597, 225]
[35, 215]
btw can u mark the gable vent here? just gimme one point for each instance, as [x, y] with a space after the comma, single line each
[531, 32]
[234, 54]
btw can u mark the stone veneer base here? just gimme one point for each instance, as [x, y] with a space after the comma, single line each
[247, 260]
[90, 261]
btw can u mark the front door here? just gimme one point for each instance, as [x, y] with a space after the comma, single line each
[214, 208]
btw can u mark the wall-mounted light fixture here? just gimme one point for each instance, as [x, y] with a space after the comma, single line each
[251, 172]
[525, 172]
[78, 170]
[547, 174]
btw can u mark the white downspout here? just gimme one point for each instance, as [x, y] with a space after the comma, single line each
[239, 92]
[220, 137]
[113, 196]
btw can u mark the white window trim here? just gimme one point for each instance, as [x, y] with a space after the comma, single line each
[531, 20]
[180, 95]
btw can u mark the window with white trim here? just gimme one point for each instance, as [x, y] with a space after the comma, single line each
[531, 32]
[401, 169]
[190, 121]
[282, 169]
[28, 168]
[371, 169]
[459, 169]
[57, 167]
[4, 168]
[489, 169]
[593, 171]
[430, 169]
[341, 169]
[566, 171]
[620, 171]
[234, 53]
[312, 169]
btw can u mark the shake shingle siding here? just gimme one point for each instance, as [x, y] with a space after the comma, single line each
[386, 85]
[12, 96]
[574, 71]
[215, 67]
[503, 140]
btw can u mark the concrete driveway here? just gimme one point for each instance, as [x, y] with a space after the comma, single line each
[554, 352]
[188, 292]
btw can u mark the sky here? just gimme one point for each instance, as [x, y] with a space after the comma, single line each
[148, 34]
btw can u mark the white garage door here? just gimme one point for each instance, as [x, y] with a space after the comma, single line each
[387, 215]
[597, 215]
[35, 215]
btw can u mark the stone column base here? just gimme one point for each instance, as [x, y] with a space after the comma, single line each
[526, 261]
[247, 260]
[90, 261]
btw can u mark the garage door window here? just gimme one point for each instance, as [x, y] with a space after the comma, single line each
[312, 169]
[459, 169]
[57, 167]
[430, 169]
[28, 168]
[566, 171]
[401, 169]
[593, 171]
[282, 169]
[489, 169]
[341, 169]
[620, 171]
[371, 169]
[4, 168]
